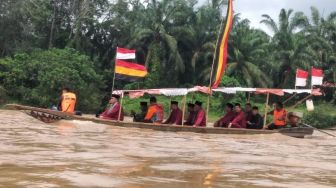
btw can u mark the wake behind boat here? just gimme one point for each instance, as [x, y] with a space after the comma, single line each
[42, 114]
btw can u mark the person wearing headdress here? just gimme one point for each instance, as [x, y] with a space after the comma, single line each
[229, 116]
[140, 116]
[294, 119]
[240, 120]
[113, 109]
[155, 112]
[200, 119]
[191, 116]
[175, 117]
[255, 121]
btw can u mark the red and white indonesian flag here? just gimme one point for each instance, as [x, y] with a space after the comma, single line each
[317, 77]
[301, 78]
[123, 53]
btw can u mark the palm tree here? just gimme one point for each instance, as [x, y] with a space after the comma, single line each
[155, 32]
[319, 34]
[206, 28]
[247, 54]
[289, 44]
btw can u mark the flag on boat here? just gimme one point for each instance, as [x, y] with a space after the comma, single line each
[317, 77]
[123, 53]
[129, 71]
[301, 78]
[221, 49]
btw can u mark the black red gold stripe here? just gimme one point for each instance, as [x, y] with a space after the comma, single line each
[221, 51]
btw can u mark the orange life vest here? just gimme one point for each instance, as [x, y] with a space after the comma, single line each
[69, 102]
[155, 113]
[279, 117]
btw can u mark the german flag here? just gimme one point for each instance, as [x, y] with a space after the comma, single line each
[221, 49]
[129, 71]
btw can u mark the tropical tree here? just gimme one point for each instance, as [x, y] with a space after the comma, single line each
[162, 19]
[248, 51]
[319, 34]
[289, 45]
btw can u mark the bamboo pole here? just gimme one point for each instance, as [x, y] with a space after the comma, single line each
[211, 73]
[121, 103]
[184, 108]
[301, 101]
[290, 98]
[266, 110]
[113, 81]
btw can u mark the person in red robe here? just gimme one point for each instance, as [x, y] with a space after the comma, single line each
[175, 117]
[240, 120]
[191, 116]
[200, 120]
[113, 109]
[229, 116]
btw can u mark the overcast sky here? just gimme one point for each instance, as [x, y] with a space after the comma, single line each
[253, 9]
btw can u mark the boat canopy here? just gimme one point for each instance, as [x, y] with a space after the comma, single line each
[202, 89]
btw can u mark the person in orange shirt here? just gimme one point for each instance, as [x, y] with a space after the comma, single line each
[155, 112]
[279, 117]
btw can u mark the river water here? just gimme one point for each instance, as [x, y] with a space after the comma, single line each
[85, 154]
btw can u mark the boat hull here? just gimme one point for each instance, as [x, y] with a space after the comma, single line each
[299, 132]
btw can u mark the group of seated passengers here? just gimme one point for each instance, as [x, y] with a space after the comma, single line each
[154, 114]
[235, 116]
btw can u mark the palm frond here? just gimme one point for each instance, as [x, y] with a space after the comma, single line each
[269, 22]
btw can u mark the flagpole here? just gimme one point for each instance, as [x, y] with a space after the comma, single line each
[121, 103]
[311, 80]
[113, 81]
[211, 73]
[184, 107]
[266, 109]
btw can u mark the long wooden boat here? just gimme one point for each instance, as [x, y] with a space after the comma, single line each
[299, 132]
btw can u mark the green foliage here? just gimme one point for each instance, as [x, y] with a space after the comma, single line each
[229, 82]
[37, 78]
[320, 119]
[3, 95]
[153, 79]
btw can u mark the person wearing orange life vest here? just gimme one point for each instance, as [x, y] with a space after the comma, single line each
[279, 117]
[67, 101]
[155, 112]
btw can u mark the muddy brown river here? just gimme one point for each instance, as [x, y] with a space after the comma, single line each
[85, 154]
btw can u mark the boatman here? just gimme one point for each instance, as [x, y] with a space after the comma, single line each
[200, 119]
[191, 116]
[175, 117]
[240, 120]
[229, 116]
[140, 117]
[113, 109]
[67, 102]
[155, 112]
[279, 117]
[294, 119]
